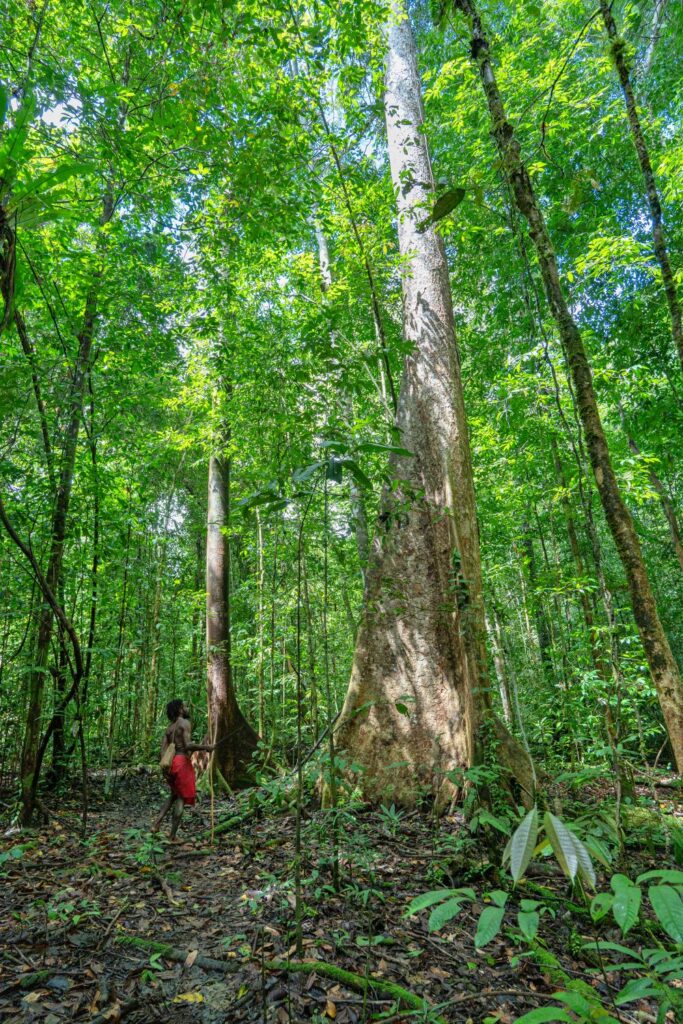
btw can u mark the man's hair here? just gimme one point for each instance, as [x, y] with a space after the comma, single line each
[173, 709]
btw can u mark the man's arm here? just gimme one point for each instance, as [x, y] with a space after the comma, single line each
[191, 747]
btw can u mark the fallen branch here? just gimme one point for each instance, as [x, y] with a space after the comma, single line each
[358, 982]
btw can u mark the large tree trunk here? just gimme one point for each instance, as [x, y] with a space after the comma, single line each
[654, 203]
[661, 662]
[416, 698]
[228, 728]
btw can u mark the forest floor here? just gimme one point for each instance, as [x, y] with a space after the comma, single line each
[68, 910]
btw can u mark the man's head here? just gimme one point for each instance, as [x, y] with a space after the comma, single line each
[175, 708]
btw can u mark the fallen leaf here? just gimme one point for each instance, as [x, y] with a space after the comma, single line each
[33, 997]
[191, 957]
[189, 997]
[330, 1009]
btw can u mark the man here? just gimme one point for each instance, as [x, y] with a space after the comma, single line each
[180, 777]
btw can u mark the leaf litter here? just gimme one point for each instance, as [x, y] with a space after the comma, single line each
[70, 911]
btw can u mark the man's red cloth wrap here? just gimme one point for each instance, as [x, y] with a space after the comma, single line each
[181, 779]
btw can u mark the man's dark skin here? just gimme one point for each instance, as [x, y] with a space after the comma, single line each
[178, 732]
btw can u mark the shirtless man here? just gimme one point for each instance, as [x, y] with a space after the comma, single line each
[180, 777]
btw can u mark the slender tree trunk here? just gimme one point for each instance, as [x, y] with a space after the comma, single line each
[501, 674]
[540, 620]
[118, 664]
[618, 48]
[657, 19]
[261, 638]
[311, 648]
[662, 664]
[416, 699]
[228, 728]
[36, 682]
[664, 499]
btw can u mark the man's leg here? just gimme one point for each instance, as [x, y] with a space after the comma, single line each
[162, 813]
[178, 807]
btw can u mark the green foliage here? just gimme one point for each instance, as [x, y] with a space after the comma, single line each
[570, 852]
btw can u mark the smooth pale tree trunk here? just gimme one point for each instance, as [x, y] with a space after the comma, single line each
[658, 12]
[661, 662]
[618, 48]
[501, 673]
[416, 700]
[227, 726]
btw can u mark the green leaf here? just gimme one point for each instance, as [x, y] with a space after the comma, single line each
[444, 913]
[636, 988]
[586, 869]
[562, 842]
[303, 473]
[444, 205]
[668, 875]
[486, 818]
[668, 906]
[522, 845]
[488, 926]
[357, 473]
[600, 905]
[626, 903]
[528, 923]
[545, 1015]
[575, 1001]
[427, 899]
[333, 470]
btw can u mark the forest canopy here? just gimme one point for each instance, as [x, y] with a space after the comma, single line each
[341, 405]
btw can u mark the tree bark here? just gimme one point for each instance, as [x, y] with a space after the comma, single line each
[654, 202]
[228, 728]
[661, 662]
[417, 696]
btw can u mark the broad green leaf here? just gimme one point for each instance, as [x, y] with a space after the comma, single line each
[522, 844]
[626, 905]
[600, 905]
[488, 926]
[575, 1001]
[668, 906]
[444, 913]
[528, 923]
[636, 988]
[545, 1015]
[668, 875]
[562, 842]
[303, 473]
[358, 474]
[427, 899]
[586, 869]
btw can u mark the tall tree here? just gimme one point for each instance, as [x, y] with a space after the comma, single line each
[417, 697]
[662, 664]
[618, 50]
[236, 740]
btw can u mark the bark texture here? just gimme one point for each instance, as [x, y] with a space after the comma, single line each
[416, 697]
[228, 727]
[654, 203]
[661, 662]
